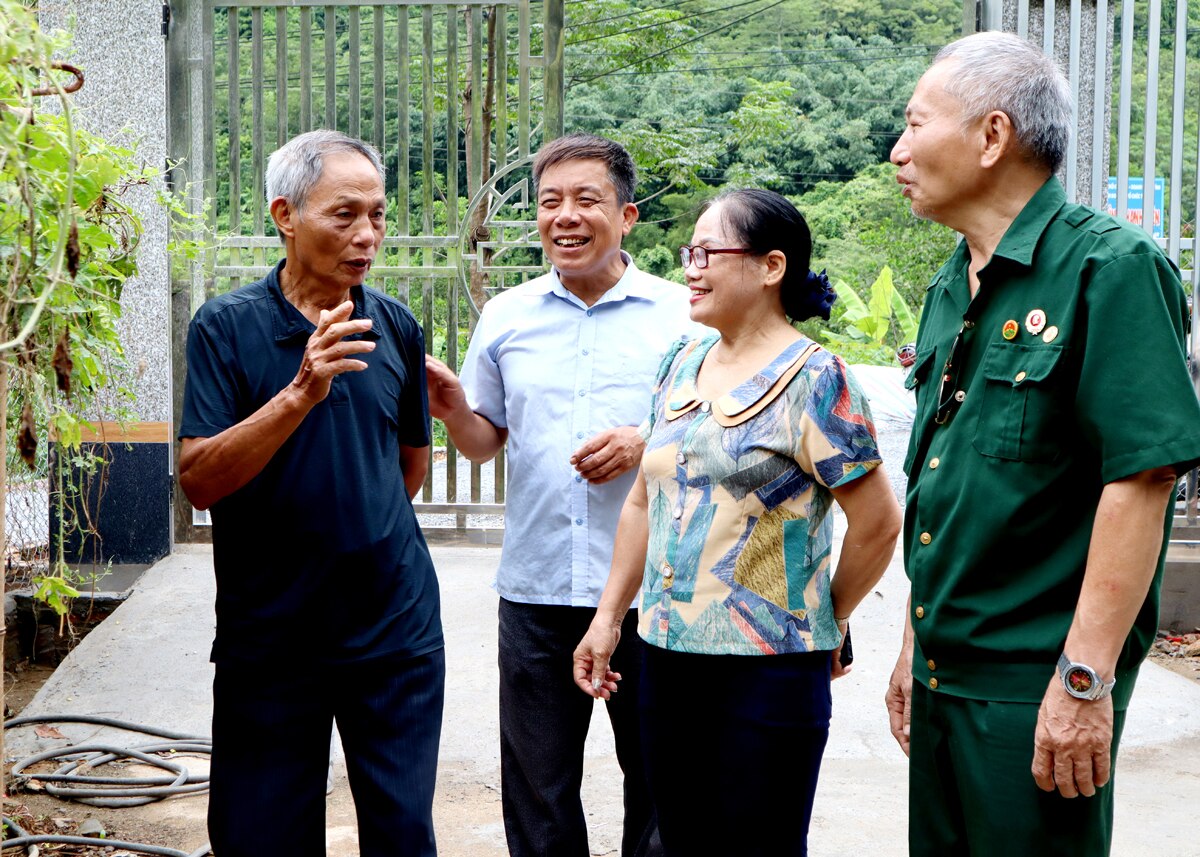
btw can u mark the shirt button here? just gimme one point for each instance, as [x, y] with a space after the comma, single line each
[920, 611]
[933, 684]
[667, 571]
[578, 478]
[586, 352]
[704, 406]
[589, 312]
[582, 393]
[926, 538]
[678, 514]
[968, 325]
[578, 522]
[680, 458]
[1020, 377]
[931, 664]
[578, 434]
[934, 462]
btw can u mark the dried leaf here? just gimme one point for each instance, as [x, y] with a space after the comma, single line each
[44, 731]
[62, 363]
[28, 354]
[73, 249]
[27, 437]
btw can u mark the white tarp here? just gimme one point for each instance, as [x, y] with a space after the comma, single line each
[884, 386]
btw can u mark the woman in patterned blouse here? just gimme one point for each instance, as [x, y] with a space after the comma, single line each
[727, 532]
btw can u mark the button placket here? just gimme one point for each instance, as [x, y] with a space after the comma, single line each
[580, 408]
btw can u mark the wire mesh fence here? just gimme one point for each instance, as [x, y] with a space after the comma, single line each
[26, 528]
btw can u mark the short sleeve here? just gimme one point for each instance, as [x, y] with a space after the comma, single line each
[1135, 401]
[836, 440]
[414, 397]
[480, 375]
[210, 390]
[664, 370]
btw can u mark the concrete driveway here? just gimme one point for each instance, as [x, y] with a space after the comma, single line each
[148, 663]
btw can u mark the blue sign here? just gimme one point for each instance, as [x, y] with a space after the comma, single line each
[1133, 210]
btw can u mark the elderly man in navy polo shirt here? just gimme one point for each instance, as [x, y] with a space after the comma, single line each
[562, 368]
[305, 431]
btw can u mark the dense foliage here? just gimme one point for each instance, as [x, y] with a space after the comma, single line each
[803, 97]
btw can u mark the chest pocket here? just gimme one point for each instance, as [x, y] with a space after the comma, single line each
[1024, 403]
[918, 382]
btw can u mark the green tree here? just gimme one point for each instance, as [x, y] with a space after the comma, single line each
[864, 225]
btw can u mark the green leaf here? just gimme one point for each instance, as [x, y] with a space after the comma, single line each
[54, 591]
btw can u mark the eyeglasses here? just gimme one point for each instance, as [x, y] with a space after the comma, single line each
[699, 255]
[949, 397]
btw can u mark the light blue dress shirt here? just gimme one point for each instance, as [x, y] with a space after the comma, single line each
[555, 372]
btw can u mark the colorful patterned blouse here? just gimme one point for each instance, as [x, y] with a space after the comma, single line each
[738, 560]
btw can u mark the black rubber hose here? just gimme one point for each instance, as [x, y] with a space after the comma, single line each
[47, 839]
[134, 791]
[104, 721]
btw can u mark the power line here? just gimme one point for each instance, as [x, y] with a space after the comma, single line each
[691, 90]
[711, 69]
[683, 43]
[675, 5]
[650, 25]
[845, 48]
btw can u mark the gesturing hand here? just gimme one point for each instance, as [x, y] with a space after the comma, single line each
[591, 660]
[446, 396]
[327, 352]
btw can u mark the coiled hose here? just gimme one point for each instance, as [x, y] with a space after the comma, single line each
[66, 782]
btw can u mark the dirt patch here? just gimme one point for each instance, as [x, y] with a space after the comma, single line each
[49, 815]
[22, 685]
[171, 823]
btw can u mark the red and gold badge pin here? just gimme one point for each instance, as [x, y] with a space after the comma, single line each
[1009, 331]
[1035, 321]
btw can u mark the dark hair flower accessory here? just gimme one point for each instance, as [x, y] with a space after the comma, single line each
[820, 295]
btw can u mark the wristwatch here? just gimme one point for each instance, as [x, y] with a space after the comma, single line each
[1081, 681]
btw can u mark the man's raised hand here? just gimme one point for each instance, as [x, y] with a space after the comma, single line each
[328, 352]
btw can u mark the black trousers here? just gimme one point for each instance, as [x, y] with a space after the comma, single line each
[544, 721]
[271, 732]
[733, 749]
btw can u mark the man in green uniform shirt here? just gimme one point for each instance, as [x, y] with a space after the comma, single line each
[1054, 412]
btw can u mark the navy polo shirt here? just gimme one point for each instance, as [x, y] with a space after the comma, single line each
[320, 556]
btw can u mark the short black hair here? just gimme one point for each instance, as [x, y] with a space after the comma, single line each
[589, 147]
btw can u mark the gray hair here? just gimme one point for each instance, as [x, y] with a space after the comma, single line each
[294, 169]
[999, 71]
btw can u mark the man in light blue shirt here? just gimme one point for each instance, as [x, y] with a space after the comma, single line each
[562, 368]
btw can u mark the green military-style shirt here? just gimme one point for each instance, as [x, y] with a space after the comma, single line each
[1071, 374]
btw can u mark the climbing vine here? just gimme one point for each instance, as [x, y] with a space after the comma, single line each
[68, 242]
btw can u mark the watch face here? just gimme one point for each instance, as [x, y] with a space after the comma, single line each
[1080, 681]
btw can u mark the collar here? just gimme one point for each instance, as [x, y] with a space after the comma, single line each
[1022, 236]
[1017, 245]
[289, 323]
[748, 398]
[631, 285]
